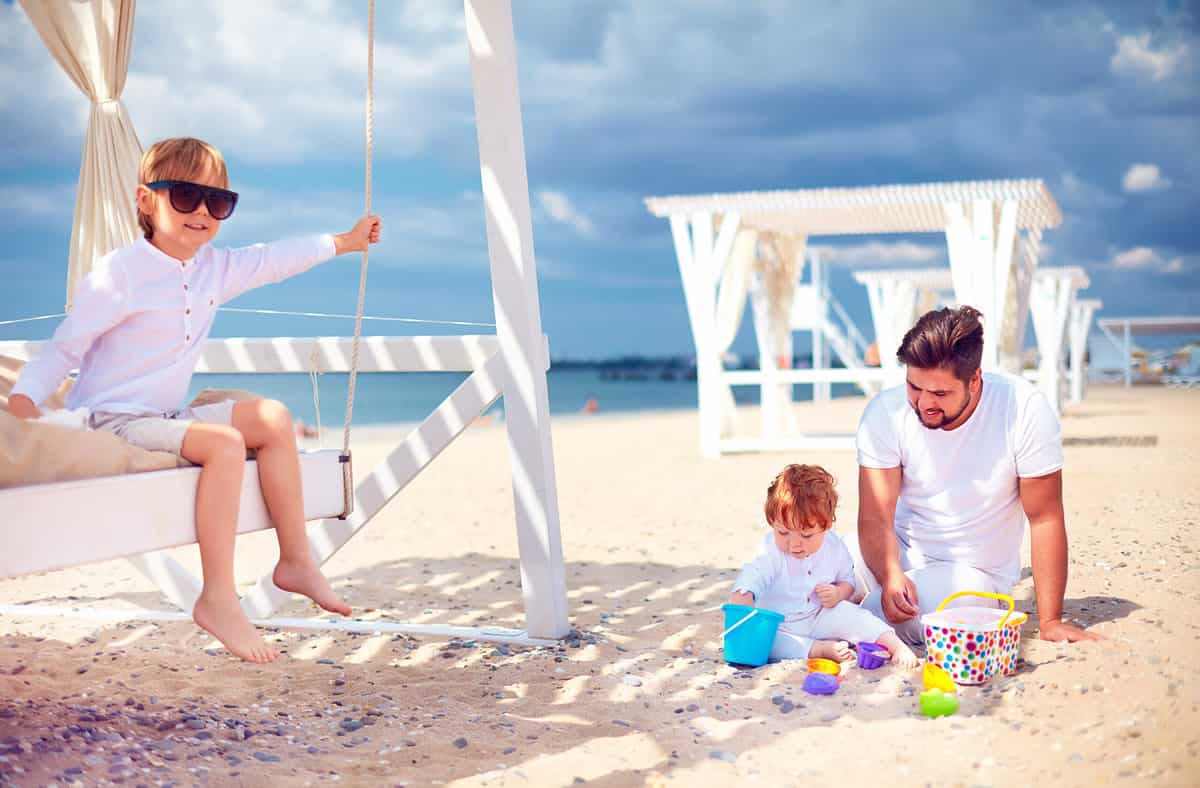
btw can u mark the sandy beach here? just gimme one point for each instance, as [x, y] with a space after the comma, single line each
[640, 695]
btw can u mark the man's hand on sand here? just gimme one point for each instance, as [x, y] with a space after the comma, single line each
[899, 601]
[1065, 633]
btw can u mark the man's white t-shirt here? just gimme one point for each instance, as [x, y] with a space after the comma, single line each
[959, 498]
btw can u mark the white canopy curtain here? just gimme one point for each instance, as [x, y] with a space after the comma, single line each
[778, 269]
[92, 42]
[731, 303]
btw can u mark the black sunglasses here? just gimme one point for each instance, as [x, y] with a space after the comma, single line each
[187, 196]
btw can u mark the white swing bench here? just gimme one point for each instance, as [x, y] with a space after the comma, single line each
[55, 525]
[140, 516]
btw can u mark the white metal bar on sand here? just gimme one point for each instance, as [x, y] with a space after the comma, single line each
[117, 616]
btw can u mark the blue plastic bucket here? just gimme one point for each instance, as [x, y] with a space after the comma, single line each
[749, 642]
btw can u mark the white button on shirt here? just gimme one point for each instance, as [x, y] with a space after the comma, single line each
[140, 319]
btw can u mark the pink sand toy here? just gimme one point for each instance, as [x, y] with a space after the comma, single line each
[972, 644]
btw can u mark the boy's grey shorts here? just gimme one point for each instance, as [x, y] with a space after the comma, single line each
[161, 432]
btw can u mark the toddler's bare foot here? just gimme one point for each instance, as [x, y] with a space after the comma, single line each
[902, 655]
[224, 619]
[304, 577]
[837, 650]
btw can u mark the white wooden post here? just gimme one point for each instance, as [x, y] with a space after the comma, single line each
[518, 315]
[702, 260]
[693, 250]
[892, 297]
[822, 392]
[1051, 298]
[1082, 312]
[981, 262]
[1128, 352]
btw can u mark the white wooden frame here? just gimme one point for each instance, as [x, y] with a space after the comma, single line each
[512, 364]
[993, 234]
[1051, 300]
[896, 297]
[488, 381]
[1131, 326]
[1082, 313]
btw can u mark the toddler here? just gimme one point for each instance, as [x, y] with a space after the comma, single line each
[805, 572]
[135, 331]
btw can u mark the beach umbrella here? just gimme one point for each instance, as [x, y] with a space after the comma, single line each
[92, 43]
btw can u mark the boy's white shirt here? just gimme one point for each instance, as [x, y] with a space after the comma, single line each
[140, 319]
[784, 583]
[959, 498]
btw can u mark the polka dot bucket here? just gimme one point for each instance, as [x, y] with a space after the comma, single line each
[973, 644]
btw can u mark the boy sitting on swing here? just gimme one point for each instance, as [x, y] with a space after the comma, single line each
[135, 332]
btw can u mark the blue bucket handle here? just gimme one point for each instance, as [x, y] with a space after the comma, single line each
[743, 620]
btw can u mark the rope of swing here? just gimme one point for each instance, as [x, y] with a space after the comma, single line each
[362, 280]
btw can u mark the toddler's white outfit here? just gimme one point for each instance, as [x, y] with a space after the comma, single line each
[785, 584]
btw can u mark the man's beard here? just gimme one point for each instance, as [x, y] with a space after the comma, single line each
[945, 419]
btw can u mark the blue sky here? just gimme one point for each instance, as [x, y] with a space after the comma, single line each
[623, 100]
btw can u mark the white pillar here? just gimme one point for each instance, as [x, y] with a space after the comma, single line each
[1128, 356]
[702, 260]
[893, 302]
[518, 314]
[1082, 312]
[822, 392]
[982, 255]
[1050, 303]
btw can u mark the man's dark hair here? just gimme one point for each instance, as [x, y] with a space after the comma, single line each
[945, 339]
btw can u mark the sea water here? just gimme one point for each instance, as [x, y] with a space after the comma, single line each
[408, 397]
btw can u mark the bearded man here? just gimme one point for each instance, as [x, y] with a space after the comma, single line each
[951, 464]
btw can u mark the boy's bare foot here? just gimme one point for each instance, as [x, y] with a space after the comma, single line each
[225, 620]
[837, 650]
[902, 655]
[304, 577]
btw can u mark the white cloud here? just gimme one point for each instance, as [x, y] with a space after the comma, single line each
[876, 254]
[1136, 56]
[231, 79]
[559, 208]
[1137, 257]
[31, 203]
[1143, 258]
[1144, 178]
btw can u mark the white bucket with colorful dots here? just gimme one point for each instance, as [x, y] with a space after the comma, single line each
[973, 644]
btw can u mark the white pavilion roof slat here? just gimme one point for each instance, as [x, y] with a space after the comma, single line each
[941, 279]
[1153, 325]
[866, 210]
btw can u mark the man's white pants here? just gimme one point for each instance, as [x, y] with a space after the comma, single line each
[844, 621]
[935, 581]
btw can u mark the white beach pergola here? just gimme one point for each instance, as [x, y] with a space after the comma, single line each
[1129, 327]
[140, 516]
[899, 296]
[1051, 301]
[993, 232]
